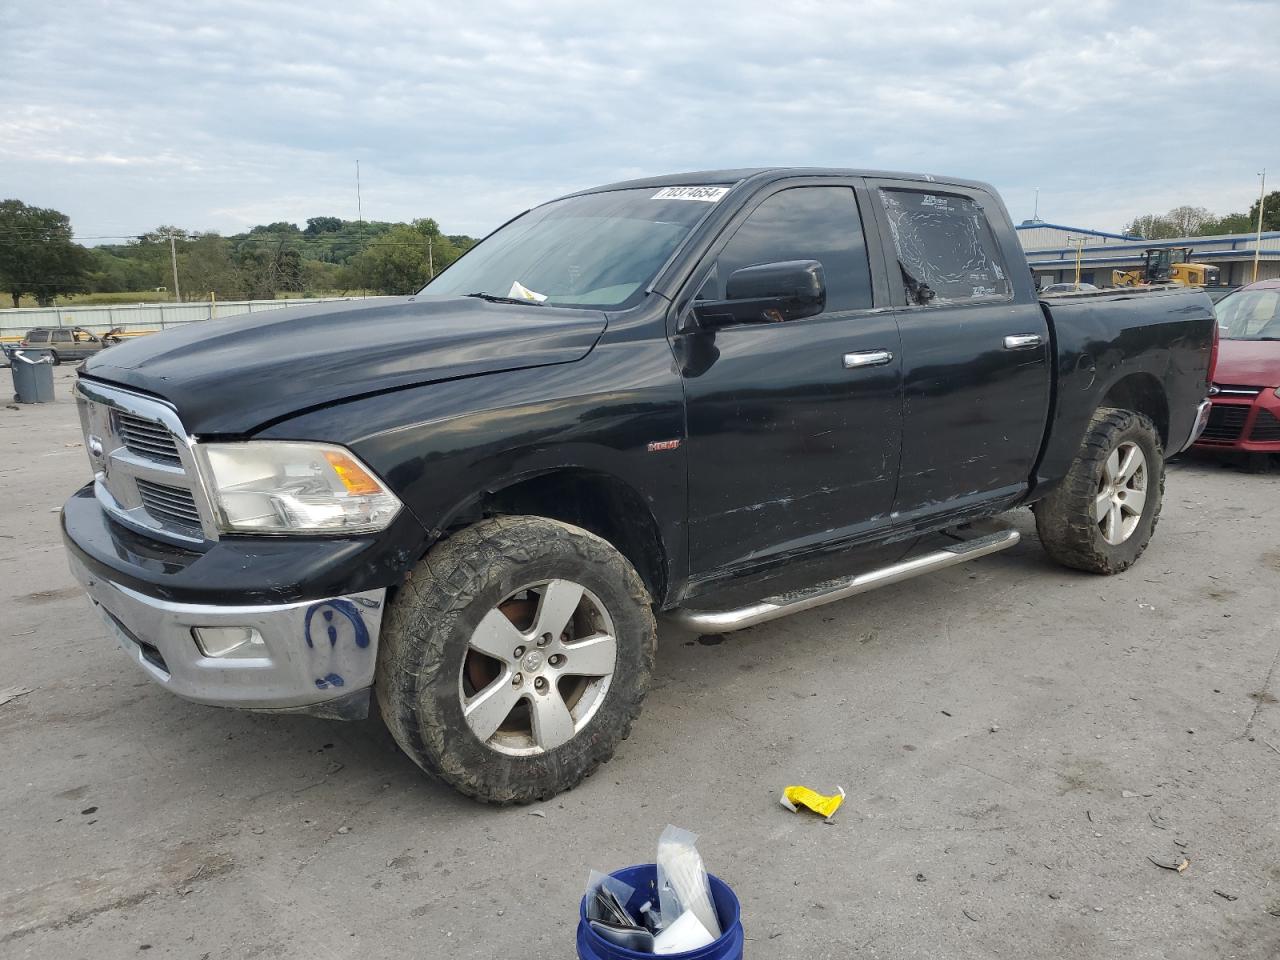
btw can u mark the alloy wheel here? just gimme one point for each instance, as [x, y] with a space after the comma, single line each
[1122, 493]
[537, 668]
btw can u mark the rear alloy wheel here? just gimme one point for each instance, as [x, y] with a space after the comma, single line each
[1122, 493]
[514, 659]
[1101, 517]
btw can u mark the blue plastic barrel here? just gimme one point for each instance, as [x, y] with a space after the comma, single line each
[644, 880]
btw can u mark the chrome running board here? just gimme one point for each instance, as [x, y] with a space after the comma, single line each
[771, 608]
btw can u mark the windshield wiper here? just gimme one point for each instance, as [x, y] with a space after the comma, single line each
[494, 298]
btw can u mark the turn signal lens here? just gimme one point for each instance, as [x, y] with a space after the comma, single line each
[351, 474]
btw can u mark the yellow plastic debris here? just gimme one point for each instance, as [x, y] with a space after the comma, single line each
[823, 805]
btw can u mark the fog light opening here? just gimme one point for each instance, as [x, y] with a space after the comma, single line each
[229, 641]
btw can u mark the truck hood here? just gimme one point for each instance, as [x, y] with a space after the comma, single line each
[1254, 363]
[231, 376]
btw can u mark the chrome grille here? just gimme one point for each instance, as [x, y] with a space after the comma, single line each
[147, 438]
[145, 474]
[169, 503]
[1235, 390]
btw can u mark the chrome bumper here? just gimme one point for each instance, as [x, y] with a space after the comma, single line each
[312, 654]
[1202, 421]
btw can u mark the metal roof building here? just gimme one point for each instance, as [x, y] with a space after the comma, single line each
[1051, 251]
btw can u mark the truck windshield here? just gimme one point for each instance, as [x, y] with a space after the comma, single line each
[1250, 315]
[596, 250]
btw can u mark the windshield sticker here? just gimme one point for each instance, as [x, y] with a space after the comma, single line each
[519, 291]
[705, 194]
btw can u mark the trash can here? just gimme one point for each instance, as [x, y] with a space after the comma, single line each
[32, 377]
[644, 880]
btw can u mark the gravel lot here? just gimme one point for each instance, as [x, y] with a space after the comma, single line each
[1016, 741]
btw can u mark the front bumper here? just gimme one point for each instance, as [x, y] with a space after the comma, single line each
[1244, 424]
[317, 604]
[315, 656]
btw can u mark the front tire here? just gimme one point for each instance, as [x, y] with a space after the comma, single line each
[515, 658]
[1101, 517]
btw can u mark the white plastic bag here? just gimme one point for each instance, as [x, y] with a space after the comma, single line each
[682, 880]
[687, 933]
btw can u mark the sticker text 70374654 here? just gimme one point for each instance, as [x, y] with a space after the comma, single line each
[705, 194]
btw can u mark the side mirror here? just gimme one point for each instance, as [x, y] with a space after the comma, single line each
[767, 293]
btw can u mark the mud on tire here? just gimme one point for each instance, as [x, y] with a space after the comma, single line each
[1068, 520]
[428, 635]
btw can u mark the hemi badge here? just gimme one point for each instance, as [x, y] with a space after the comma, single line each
[659, 445]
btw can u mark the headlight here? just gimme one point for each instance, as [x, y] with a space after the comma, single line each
[270, 486]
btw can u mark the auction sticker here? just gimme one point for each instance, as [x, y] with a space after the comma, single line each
[705, 194]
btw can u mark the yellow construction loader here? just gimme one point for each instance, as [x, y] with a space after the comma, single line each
[1167, 265]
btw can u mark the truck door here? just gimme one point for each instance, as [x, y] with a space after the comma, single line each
[975, 350]
[793, 428]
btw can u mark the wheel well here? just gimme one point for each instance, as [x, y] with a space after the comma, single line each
[597, 502]
[1142, 393]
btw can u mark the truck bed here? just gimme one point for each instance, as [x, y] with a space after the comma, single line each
[1112, 343]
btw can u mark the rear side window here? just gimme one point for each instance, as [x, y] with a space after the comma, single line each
[803, 223]
[38, 336]
[62, 336]
[945, 247]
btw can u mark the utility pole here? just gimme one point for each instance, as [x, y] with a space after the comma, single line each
[173, 258]
[359, 202]
[1035, 214]
[1257, 243]
[359, 218]
[431, 263]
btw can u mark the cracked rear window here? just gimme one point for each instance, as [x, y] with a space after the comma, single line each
[946, 250]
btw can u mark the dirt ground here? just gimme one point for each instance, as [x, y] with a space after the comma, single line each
[1016, 740]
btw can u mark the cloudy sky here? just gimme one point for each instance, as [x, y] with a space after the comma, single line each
[220, 115]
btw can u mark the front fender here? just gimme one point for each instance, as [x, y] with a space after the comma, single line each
[440, 446]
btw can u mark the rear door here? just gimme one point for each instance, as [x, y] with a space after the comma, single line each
[975, 350]
[793, 427]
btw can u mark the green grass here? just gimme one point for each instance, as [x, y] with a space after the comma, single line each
[96, 299]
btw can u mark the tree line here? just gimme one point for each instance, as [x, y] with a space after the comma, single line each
[41, 258]
[1187, 221]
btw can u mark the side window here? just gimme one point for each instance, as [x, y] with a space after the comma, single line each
[803, 223]
[945, 247]
[38, 336]
[62, 336]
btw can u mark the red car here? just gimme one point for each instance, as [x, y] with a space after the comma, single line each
[1246, 406]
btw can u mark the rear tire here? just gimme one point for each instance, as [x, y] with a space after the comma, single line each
[57, 360]
[474, 694]
[1101, 517]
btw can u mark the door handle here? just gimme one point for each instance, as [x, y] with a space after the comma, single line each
[867, 358]
[1023, 341]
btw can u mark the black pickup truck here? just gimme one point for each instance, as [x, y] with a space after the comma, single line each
[715, 397]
